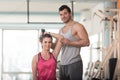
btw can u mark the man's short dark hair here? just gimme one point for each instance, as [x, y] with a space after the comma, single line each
[65, 7]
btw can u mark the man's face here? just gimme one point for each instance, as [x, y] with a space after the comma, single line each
[65, 15]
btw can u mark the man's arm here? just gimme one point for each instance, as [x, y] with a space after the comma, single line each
[80, 33]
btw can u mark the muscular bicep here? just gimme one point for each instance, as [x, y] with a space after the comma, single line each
[81, 32]
[82, 35]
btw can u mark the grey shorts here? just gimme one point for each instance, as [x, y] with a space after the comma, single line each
[72, 71]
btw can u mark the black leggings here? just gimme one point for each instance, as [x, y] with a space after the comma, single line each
[72, 71]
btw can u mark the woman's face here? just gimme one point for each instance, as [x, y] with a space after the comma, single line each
[46, 43]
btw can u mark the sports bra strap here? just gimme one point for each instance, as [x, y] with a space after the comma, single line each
[39, 54]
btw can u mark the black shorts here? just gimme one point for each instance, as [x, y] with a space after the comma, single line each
[72, 71]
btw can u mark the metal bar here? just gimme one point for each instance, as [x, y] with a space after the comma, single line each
[17, 72]
[72, 4]
[45, 23]
[28, 11]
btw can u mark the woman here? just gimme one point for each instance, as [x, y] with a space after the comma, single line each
[44, 63]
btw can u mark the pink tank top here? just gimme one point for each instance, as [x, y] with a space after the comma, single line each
[46, 68]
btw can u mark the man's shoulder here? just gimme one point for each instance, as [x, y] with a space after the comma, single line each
[78, 24]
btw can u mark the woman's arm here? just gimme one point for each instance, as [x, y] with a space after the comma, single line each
[55, 35]
[34, 67]
[58, 44]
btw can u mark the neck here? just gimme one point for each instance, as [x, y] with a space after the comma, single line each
[45, 55]
[69, 22]
[45, 52]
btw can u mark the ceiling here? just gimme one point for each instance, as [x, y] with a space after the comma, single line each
[15, 11]
[20, 6]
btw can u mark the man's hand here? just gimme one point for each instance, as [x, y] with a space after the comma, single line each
[65, 41]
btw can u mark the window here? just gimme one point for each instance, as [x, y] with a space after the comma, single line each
[19, 46]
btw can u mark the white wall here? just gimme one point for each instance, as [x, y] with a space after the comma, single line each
[92, 22]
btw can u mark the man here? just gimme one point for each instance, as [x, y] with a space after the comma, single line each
[75, 37]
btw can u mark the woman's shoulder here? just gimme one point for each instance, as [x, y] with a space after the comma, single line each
[35, 57]
[53, 56]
